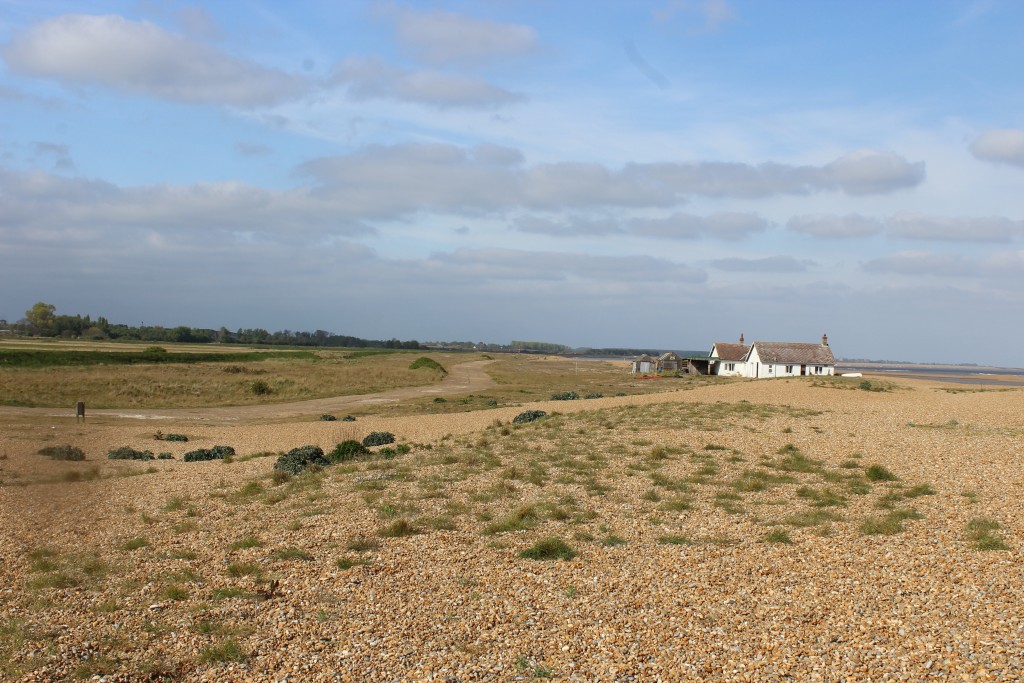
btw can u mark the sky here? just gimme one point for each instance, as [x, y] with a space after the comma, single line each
[660, 174]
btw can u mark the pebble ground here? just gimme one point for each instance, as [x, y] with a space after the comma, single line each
[215, 571]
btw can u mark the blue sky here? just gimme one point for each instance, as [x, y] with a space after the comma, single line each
[662, 174]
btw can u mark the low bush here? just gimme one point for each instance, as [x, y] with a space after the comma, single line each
[594, 395]
[528, 416]
[347, 450]
[565, 396]
[298, 459]
[260, 388]
[63, 452]
[128, 453]
[378, 439]
[348, 418]
[428, 363]
[165, 455]
[880, 473]
[215, 453]
[176, 437]
[154, 349]
[327, 417]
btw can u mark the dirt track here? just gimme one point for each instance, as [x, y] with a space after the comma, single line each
[464, 377]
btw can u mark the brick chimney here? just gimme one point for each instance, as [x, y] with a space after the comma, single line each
[741, 338]
[824, 340]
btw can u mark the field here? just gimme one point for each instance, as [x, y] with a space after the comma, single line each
[765, 531]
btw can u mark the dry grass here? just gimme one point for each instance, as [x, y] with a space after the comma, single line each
[330, 373]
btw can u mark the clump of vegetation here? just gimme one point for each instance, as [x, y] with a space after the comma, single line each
[260, 388]
[400, 527]
[378, 439]
[440, 399]
[428, 363]
[228, 651]
[165, 455]
[327, 417]
[890, 524]
[981, 530]
[528, 416]
[63, 452]
[865, 385]
[348, 418]
[551, 548]
[778, 536]
[128, 453]
[347, 450]
[154, 350]
[565, 396]
[215, 453]
[594, 395]
[298, 459]
[880, 473]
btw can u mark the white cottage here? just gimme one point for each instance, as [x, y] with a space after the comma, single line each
[728, 360]
[773, 359]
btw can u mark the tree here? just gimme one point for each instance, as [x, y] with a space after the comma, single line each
[41, 318]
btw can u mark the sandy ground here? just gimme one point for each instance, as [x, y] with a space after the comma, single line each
[657, 592]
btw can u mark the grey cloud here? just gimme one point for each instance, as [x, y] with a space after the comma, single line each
[573, 227]
[60, 154]
[1001, 146]
[924, 263]
[141, 58]
[372, 78]
[768, 264]
[512, 264]
[726, 225]
[834, 226]
[397, 179]
[443, 37]
[858, 173]
[37, 205]
[247, 149]
[954, 229]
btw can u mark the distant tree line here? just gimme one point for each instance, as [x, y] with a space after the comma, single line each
[42, 320]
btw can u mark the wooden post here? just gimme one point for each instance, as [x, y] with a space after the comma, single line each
[80, 411]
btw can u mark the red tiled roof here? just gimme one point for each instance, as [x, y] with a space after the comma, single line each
[794, 353]
[731, 351]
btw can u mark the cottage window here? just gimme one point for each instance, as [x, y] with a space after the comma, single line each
[789, 369]
[730, 366]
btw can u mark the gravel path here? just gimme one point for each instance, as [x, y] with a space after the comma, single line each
[673, 581]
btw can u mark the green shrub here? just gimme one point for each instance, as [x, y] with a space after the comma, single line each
[440, 399]
[298, 459]
[215, 453]
[176, 437]
[63, 452]
[128, 453]
[428, 363]
[348, 418]
[528, 416]
[260, 388]
[565, 396]
[880, 473]
[347, 450]
[327, 417]
[165, 455]
[551, 548]
[594, 395]
[154, 349]
[378, 439]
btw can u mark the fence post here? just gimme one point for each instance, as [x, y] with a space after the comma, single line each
[80, 411]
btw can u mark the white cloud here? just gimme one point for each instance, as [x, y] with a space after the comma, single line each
[372, 78]
[1001, 146]
[916, 226]
[714, 13]
[443, 37]
[835, 226]
[141, 58]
